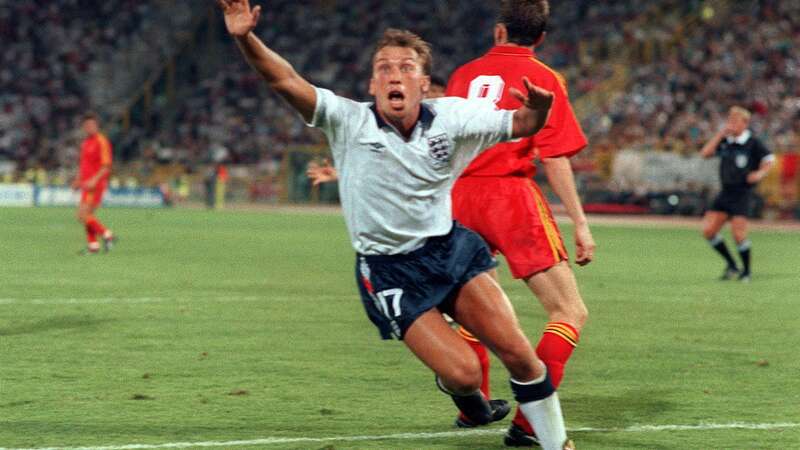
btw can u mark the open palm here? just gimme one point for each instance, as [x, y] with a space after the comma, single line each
[239, 18]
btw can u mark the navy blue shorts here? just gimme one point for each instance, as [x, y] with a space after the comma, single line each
[732, 202]
[397, 289]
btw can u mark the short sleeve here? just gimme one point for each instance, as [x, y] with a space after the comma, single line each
[762, 153]
[335, 115]
[480, 125]
[562, 134]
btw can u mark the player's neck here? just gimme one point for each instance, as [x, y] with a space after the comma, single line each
[404, 126]
[511, 44]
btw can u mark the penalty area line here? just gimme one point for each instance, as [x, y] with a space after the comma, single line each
[432, 435]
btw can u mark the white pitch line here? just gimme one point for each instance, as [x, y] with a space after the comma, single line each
[418, 436]
[139, 300]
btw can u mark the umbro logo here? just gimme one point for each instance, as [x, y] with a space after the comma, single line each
[376, 147]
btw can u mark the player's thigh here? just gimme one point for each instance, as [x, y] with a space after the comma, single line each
[739, 227]
[84, 211]
[528, 235]
[558, 293]
[713, 221]
[484, 310]
[432, 340]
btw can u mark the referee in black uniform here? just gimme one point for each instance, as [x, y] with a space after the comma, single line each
[744, 161]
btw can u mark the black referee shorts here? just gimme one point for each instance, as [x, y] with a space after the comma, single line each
[733, 202]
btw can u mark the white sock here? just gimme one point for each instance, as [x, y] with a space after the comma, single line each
[545, 415]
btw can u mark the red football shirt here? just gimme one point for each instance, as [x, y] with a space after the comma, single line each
[491, 76]
[95, 153]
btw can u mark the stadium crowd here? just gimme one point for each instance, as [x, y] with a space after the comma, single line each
[227, 111]
[670, 99]
[61, 58]
[746, 57]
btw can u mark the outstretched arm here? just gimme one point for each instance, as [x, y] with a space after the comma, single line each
[240, 20]
[535, 110]
[562, 181]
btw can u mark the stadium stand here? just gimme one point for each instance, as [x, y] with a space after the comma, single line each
[644, 76]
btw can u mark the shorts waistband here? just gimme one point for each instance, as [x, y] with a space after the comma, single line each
[413, 253]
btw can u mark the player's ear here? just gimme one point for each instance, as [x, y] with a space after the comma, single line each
[372, 89]
[500, 34]
[426, 84]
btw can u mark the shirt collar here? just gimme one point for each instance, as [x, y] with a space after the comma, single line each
[426, 116]
[511, 50]
[740, 139]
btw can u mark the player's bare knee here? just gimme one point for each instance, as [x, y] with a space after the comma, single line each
[579, 314]
[463, 378]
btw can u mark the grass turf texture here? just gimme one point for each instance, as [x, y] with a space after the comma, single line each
[208, 326]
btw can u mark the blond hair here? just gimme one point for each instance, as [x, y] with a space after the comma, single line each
[393, 37]
[740, 111]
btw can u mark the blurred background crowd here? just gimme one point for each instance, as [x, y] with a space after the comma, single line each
[651, 81]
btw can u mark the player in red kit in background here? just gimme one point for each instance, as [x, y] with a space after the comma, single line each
[92, 179]
[497, 197]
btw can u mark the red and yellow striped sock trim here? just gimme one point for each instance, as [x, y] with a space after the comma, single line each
[467, 335]
[563, 331]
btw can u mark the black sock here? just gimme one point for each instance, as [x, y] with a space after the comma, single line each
[474, 406]
[719, 245]
[744, 253]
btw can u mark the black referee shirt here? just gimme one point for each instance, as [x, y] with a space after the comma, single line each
[738, 157]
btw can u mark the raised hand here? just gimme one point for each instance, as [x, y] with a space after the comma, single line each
[536, 103]
[321, 173]
[537, 99]
[239, 18]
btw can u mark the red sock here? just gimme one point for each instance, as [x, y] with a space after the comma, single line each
[95, 224]
[91, 236]
[483, 357]
[558, 341]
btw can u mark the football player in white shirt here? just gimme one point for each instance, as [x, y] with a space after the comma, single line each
[397, 160]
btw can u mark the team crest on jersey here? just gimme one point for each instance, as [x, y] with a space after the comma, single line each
[440, 150]
[741, 161]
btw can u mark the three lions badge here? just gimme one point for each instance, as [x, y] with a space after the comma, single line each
[440, 151]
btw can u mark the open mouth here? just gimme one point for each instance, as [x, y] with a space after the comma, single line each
[396, 99]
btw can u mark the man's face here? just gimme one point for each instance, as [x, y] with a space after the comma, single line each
[90, 127]
[737, 123]
[398, 82]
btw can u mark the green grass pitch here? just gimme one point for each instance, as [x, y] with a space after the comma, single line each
[223, 326]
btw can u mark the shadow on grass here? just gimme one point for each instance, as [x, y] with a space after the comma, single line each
[631, 407]
[53, 323]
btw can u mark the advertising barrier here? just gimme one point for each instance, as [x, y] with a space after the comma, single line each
[29, 195]
[16, 195]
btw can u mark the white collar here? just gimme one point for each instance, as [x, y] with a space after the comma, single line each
[740, 139]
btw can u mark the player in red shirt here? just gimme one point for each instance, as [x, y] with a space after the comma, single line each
[497, 197]
[92, 179]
